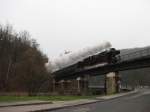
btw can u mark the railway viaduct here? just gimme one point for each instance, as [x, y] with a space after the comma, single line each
[79, 77]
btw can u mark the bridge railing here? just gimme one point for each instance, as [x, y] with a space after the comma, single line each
[135, 55]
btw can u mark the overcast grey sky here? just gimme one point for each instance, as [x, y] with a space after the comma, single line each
[60, 25]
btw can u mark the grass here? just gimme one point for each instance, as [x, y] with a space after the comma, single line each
[43, 98]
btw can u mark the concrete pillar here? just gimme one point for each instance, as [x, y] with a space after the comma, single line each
[86, 84]
[62, 86]
[118, 82]
[82, 85]
[68, 87]
[54, 85]
[79, 85]
[112, 83]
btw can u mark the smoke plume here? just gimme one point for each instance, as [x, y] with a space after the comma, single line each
[74, 57]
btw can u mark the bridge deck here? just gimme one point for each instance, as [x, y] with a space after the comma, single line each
[134, 60]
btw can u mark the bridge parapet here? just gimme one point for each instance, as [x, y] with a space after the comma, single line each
[135, 55]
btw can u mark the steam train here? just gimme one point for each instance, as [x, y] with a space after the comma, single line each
[101, 59]
[106, 57]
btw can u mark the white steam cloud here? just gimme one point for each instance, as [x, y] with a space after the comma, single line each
[72, 58]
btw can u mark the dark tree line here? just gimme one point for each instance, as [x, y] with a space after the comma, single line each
[22, 64]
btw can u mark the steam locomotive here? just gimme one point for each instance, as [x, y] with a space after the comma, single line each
[106, 57]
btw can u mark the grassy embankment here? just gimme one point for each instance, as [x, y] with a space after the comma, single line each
[43, 98]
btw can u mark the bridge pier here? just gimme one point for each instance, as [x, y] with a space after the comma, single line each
[112, 83]
[82, 85]
[77, 86]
